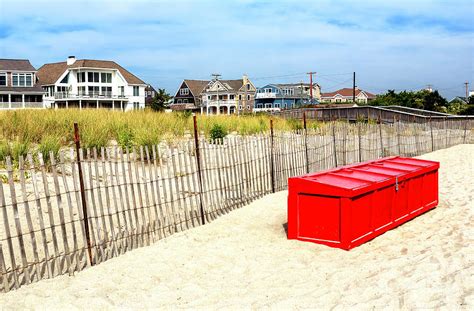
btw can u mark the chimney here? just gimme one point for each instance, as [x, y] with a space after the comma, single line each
[71, 60]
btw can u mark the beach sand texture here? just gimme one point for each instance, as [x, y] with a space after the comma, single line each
[243, 260]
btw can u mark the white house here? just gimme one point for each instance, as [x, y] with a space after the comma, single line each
[88, 83]
[345, 95]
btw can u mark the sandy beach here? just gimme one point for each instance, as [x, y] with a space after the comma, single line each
[244, 261]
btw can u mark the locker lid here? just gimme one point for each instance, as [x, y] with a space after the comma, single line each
[353, 180]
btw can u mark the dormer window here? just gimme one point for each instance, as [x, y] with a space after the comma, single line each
[184, 91]
[22, 79]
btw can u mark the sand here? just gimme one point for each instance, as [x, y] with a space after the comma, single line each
[243, 260]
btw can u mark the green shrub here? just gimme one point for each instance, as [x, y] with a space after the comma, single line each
[295, 124]
[217, 132]
[125, 137]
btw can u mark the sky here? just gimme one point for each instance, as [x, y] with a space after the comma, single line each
[400, 45]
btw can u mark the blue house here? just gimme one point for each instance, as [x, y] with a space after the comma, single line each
[275, 97]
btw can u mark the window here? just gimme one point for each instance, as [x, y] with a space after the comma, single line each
[248, 107]
[106, 77]
[248, 96]
[338, 100]
[184, 91]
[240, 97]
[3, 79]
[136, 91]
[231, 96]
[136, 105]
[209, 97]
[179, 101]
[65, 79]
[81, 77]
[185, 101]
[93, 91]
[81, 90]
[248, 86]
[240, 107]
[268, 90]
[93, 77]
[22, 79]
[121, 91]
[106, 91]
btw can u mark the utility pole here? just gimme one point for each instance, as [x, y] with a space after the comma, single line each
[311, 73]
[467, 89]
[216, 77]
[354, 87]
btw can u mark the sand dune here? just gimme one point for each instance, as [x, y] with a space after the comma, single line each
[243, 260]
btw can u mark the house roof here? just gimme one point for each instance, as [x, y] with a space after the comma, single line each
[16, 64]
[196, 86]
[50, 73]
[234, 84]
[347, 92]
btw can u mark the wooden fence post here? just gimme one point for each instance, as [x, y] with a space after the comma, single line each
[359, 138]
[77, 141]
[382, 152]
[398, 136]
[305, 142]
[198, 160]
[445, 132]
[465, 130]
[432, 139]
[334, 142]
[272, 165]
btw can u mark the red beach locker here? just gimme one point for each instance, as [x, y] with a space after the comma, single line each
[347, 206]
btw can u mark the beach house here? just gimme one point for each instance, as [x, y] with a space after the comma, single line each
[215, 96]
[19, 86]
[274, 97]
[88, 83]
[345, 95]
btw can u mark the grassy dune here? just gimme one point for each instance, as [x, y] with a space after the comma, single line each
[45, 130]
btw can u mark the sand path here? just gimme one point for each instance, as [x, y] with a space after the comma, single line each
[243, 260]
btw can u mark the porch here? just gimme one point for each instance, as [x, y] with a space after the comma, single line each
[21, 101]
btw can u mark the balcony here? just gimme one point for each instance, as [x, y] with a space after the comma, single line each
[220, 102]
[265, 95]
[91, 95]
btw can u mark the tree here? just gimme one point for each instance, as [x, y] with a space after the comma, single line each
[160, 101]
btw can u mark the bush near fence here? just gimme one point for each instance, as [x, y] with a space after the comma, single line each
[136, 196]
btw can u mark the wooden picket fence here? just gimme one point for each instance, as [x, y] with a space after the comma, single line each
[63, 213]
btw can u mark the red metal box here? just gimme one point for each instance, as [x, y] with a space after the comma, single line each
[347, 206]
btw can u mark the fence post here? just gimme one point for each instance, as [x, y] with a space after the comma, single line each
[465, 130]
[360, 139]
[432, 138]
[77, 141]
[198, 160]
[305, 142]
[446, 132]
[380, 134]
[334, 142]
[272, 166]
[398, 136]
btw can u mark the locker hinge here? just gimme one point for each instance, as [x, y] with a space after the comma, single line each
[396, 183]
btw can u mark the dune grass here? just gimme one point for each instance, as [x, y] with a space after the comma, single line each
[47, 130]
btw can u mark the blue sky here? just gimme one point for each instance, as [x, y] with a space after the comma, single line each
[389, 44]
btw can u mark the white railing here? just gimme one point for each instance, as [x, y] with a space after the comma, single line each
[95, 95]
[265, 95]
[220, 102]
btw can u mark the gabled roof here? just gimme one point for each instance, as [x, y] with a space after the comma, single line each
[233, 84]
[50, 73]
[347, 92]
[16, 64]
[196, 86]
